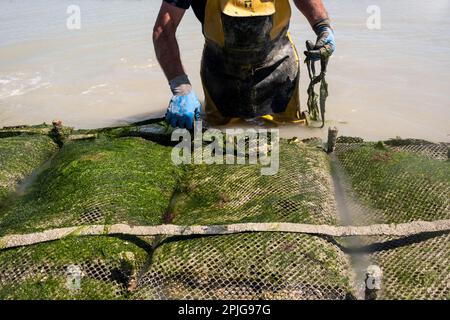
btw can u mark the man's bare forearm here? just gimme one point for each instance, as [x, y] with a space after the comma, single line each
[165, 42]
[313, 10]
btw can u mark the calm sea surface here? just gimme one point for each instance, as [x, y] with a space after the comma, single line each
[383, 83]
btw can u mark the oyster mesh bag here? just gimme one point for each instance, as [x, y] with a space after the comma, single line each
[114, 180]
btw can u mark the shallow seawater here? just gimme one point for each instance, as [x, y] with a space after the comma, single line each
[383, 83]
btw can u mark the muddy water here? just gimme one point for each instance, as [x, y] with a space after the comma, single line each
[359, 261]
[383, 83]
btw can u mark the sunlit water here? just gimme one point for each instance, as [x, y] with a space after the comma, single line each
[383, 83]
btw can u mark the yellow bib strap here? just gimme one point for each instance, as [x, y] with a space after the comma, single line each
[279, 10]
[247, 8]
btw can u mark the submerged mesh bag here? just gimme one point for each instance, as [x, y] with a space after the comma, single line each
[87, 182]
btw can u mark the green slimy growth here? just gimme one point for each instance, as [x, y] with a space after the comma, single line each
[19, 156]
[396, 187]
[41, 271]
[55, 288]
[403, 186]
[72, 250]
[121, 179]
[248, 266]
[301, 191]
[40, 129]
[126, 180]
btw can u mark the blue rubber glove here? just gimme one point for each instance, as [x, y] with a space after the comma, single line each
[184, 107]
[325, 44]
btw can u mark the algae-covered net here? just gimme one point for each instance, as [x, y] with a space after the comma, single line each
[117, 178]
[254, 265]
[19, 155]
[395, 182]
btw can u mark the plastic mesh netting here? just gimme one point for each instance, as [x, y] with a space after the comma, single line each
[399, 186]
[439, 151]
[301, 191]
[253, 266]
[130, 180]
[126, 180]
[247, 266]
[392, 184]
[73, 268]
[413, 268]
[19, 156]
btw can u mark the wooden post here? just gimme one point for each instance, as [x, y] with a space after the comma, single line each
[332, 138]
[373, 282]
[129, 269]
[57, 133]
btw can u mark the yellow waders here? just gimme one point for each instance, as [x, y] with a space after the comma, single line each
[250, 67]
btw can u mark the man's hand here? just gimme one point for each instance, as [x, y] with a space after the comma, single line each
[317, 16]
[184, 107]
[325, 44]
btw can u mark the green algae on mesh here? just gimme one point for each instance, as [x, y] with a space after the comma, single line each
[159, 132]
[72, 250]
[416, 271]
[300, 192]
[397, 142]
[55, 288]
[19, 157]
[40, 129]
[248, 266]
[345, 139]
[404, 186]
[397, 186]
[27, 264]
[126, 180]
